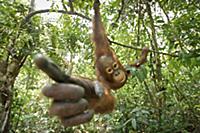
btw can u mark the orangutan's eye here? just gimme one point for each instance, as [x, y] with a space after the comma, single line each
[109, 70]
[115, 65]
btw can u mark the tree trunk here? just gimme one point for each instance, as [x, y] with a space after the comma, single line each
[6, 100]
[9, 70]
[6, 88]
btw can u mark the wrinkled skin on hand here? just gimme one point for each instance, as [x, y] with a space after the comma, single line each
[68, 103]
[74, 99]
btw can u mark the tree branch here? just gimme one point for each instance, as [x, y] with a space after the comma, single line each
[155, 46]
[161, 6]
[140, 49]
[30, 15]
[64, 6]
[120, 11]
[71, 5]
[138, 23]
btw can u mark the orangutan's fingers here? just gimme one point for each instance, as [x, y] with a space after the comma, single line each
[78, 119]
[66, 109]
[64, 91]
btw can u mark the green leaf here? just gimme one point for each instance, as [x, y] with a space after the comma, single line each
[134, 123]
[141, 74]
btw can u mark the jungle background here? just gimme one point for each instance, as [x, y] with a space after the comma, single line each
[162, 96]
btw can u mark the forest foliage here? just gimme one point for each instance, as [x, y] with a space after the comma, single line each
[162, 96]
